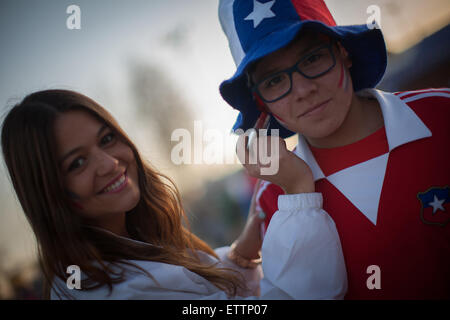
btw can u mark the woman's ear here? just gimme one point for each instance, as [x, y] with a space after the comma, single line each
[344, 54]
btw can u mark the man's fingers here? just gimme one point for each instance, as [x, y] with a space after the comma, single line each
[241, 149]
[263, 156]
[246, 150]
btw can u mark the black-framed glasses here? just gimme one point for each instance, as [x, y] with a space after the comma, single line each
[313, 65]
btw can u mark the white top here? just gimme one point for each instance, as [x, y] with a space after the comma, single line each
[302, 259]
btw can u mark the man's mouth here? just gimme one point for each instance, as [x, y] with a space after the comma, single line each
[316, 109]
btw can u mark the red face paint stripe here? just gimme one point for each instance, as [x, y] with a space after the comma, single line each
[277, 117]
[260, 122]
[346, 77]
[341, 78]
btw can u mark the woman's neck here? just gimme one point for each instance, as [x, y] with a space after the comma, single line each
[363, 119]
[115, 223]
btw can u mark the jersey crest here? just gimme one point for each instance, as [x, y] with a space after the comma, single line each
[435, 208]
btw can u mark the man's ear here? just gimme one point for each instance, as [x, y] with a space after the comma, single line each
[345, 55]
[261, 105]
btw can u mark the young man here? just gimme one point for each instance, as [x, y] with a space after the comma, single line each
[379, 159]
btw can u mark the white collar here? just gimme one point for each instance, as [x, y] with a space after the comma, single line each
[402, 125]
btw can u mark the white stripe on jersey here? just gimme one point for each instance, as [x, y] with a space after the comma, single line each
[427, 94]
[423, 90]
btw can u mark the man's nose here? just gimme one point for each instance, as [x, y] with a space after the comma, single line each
[301, 86]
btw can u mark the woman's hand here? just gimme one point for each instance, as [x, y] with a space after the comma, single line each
[248, 244]
[293, 174]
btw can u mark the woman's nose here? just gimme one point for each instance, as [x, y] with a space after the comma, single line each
[106, 163]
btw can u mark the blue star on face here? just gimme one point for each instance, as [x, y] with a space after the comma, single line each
[260, 12]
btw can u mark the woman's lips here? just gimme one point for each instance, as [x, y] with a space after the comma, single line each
[316, 109]
[117, 185]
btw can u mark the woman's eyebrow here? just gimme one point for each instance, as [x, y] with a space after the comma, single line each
[75, 150]
[103, 128]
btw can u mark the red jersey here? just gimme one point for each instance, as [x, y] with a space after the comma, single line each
[389, 197]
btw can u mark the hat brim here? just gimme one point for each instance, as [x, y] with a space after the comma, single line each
[366, 48]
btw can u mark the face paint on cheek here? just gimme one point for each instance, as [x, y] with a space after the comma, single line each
[75, 199]
[279, 119]
[73, 195]
[343, 78]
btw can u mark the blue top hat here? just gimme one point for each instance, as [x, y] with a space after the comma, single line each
[256, 28]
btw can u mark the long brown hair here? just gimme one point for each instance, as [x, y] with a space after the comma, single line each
[63, 238]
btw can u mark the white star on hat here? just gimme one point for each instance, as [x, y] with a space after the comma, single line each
[437, 204]
[260, 12]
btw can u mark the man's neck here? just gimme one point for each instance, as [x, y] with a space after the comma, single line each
[363, 119]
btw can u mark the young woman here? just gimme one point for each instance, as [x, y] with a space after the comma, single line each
[93, 202]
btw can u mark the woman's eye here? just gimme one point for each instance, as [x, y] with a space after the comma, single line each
[108, 138]
[78, 162]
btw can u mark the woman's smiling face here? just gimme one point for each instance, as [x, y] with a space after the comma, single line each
[98, 168]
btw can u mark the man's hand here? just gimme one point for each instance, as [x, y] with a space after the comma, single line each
[293, 174]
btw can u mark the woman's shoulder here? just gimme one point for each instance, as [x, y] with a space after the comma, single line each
[142, 280]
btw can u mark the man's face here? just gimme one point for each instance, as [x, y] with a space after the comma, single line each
[315, 107]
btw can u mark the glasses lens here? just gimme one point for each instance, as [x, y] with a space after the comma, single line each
[317, 63]
[311, 66]
[274, 86]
